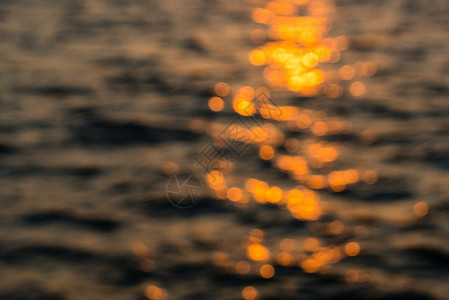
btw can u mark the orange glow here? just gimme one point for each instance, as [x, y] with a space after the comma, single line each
[357, 89]
[421, 209]
[249, 293]
[267, 271]
[352, 248]
[258, 252]
[216, 104]
[222, 89]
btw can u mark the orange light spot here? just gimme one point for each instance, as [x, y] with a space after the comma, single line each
[140, 249]
[342, 43]
[352, 248]
[249, 293]
[346, 72]
[335, 228]
[316, 182]
[287, 245]
[170, 168]
[242, 267]
[258, 36]
[274, 194]
[310, 60]
[258, 134]
[369, 69]
[370, 177]
[351, 176]
[310, 266]
[257, 57]
[319, 128]
[284, 259]
[256, 236]
[303, 121]
[222, 89]
[261, 15]
[292, 145]
[311, 244]
[215, 178]
[250, 184]
[334, 91]
[421, 209]
[234, 194]
[267, 271]
[357, 89]
[155, 293]
[260, 191]
[258, 252]
[216, 104]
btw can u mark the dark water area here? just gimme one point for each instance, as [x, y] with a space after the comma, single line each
[101, 101]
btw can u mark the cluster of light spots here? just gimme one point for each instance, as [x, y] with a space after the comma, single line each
[339, 179]
[144, 255]
[154, 292]
[299, 45]
[321, 152]
[285, 258]
[292, 60]
[319, 257]
[421, 209]
[304, 204]
[249, 293]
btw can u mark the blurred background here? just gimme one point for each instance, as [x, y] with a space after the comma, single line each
[341, 195]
